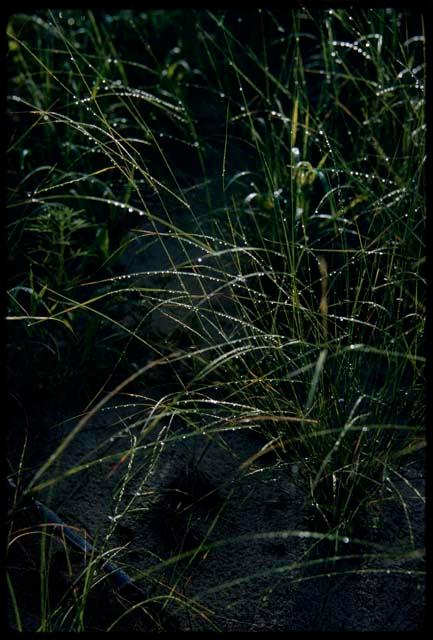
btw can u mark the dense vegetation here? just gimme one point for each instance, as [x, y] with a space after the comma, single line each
[273, 163]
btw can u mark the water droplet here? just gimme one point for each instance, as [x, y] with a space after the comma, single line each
[296, 154]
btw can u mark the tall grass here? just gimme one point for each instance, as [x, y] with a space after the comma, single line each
[274, 161]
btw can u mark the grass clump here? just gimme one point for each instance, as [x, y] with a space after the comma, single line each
[216, 223]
